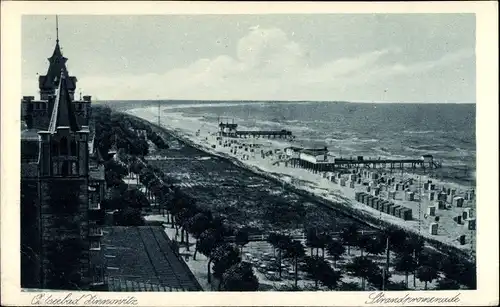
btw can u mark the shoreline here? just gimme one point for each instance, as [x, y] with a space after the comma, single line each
[345, 209]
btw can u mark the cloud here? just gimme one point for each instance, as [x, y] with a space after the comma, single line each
[269, 65]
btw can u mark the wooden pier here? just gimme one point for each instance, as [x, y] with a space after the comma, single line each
[269, 133]
[368, 163]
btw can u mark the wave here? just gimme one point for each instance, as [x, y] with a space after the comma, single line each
[419, 131]
[433, 147]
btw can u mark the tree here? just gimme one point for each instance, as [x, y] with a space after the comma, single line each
[209, 240]
[295, 251]
[350, 236]
[447, 284]
[330, 278]
[362, 267]
[196, 226]
[317, 239]
[363, 242]
[414, 245]
[280, 242]
[374, 246]
[135, 199]
[240, 277]
[405, 263]
[314, 266]
[426, 274]
[128, 217]
[241, 238]
[224, 256]
[321, 271]
[335, 249]
[397, 238]
[349, 286]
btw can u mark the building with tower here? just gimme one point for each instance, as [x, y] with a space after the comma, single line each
[62, 185]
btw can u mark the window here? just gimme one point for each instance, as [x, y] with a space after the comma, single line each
[55, 168]
[63, 146]
[74, 170]
[73, 148]
[55, 148]
[65, 168]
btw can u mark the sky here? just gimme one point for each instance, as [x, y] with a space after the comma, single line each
[427, 58]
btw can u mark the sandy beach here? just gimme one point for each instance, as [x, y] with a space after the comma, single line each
[449, 229]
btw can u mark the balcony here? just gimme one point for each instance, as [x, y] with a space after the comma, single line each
[97, 276]
[95, 246]
[94, 206]
[95, 231]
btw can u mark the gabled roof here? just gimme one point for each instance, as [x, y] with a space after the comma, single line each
[63, 114]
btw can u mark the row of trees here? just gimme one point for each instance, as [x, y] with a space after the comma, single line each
[187, 217]
[116, 130]
[410, 257]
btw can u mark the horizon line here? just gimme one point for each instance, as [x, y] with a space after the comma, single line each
[279, 101]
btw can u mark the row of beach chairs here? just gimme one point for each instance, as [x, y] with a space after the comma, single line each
[384, 206]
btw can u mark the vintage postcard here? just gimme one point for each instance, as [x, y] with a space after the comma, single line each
[217, 154]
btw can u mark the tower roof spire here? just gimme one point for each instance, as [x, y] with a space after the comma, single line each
[57, 29]
[63, 114]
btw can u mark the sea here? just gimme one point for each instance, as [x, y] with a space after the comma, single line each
[385, 130]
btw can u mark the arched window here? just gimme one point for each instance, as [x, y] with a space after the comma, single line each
[73, 148]
[55, 148]
[63, 147]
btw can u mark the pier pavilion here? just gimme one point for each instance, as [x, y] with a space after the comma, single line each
[231, 130]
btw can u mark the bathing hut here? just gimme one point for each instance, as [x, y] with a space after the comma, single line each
[467, 214]
[471, 224]
[431, 195]
[458, 201]
[431, 211]
[442, 196]
[392, 194]
[406, 214]
[410, 196]
[441, 204]
[433, 229]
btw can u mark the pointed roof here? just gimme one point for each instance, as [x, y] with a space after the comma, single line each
[63, 114]
[57, 62]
